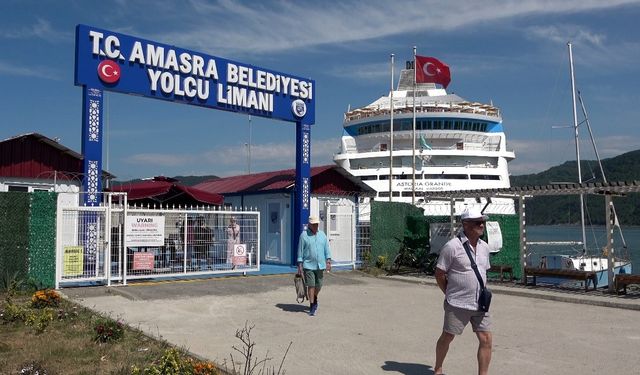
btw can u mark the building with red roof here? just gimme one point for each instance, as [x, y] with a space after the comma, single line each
[33, 162]
[336, 197]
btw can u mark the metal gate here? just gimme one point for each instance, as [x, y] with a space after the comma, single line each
[116, 243]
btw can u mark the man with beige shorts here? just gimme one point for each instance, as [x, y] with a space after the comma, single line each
[459, 283]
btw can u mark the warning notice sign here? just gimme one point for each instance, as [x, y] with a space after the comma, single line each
[144, 231]
[239, 254]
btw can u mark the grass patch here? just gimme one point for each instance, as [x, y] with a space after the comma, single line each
[51, 336]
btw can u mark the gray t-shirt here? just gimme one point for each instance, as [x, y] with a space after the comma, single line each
[463, 287]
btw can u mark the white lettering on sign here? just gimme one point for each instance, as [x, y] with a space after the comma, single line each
[242, 97]
[249, 77]
[189, 75]
[173, 84]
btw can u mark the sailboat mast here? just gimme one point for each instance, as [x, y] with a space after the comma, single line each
[575, 127]
[604, 177]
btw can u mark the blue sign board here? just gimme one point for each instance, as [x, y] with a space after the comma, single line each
[111, 61]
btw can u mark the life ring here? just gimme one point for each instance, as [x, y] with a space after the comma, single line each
[568, 263]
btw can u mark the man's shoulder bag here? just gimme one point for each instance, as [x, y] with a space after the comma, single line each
[484, 300]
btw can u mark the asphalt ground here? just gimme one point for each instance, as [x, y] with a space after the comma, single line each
[385, 325]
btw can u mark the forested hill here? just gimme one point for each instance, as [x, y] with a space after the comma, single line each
[566, 209]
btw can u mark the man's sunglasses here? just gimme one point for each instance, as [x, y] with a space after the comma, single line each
[478, 223]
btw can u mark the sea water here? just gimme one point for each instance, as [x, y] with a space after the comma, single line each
[596, 240]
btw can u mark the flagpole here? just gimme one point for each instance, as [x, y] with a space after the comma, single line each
[413, 136]
[391, 135]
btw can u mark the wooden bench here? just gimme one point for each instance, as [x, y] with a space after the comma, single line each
[585, 276]
[502, 270]
[622, 280]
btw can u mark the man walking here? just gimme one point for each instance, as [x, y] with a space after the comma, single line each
[314, 256]
[461, 287]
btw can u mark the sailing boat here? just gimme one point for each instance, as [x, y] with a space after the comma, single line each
[584, 261]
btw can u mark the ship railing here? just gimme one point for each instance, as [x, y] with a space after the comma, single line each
[377, 148]
[437, 165]
[361, 113]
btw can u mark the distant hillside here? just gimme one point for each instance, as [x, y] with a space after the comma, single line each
[185, 180]
[566, 209]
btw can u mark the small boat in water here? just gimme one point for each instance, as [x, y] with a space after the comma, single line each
[582, 261]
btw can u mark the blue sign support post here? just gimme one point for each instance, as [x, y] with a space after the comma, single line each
[92, 145]
[303, 184]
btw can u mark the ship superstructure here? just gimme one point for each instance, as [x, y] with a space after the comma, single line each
[459, 145]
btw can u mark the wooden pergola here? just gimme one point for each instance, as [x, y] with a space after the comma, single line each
[521, 193]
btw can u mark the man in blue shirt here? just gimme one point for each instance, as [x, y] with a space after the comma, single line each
[314, 256]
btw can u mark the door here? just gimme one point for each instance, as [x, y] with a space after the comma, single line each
[274, 238]
[340, 231]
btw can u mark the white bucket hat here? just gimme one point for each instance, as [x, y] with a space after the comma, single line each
[314, 220]
[473, 214]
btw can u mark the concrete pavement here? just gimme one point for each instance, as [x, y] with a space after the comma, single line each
[387, 325]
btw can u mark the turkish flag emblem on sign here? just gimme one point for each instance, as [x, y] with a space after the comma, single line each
[432, 70]
[109, 71]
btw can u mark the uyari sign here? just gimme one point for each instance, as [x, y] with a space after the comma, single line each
[111, 61]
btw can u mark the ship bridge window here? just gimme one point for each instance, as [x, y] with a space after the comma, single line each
[446, 177]
[437, 124]
[403, 176]
[457, 125]
[485, 177]
[417, 194]
[467, 125]
[447, 124]
[367, 178]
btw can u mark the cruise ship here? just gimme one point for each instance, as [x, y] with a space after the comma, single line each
[458, 145]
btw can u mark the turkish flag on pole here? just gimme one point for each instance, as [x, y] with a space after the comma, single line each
[432, 70]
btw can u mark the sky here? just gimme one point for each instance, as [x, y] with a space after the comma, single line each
[509, 53]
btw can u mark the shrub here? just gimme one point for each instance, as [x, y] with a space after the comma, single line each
[12, 312]
[381, 261]
[39, 319]
[107, 330]
[45, 298]
[174, 363]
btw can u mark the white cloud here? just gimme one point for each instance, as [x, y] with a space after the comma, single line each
[41, 30]
[233, 160]
[264, 27]
[14, 69]
[153, 160]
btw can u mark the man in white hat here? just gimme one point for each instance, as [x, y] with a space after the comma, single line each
[314, 256]
[461, 287]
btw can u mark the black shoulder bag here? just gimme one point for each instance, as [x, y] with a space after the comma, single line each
[484, 300]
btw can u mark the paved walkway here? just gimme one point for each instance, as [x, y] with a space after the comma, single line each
[388, 325]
